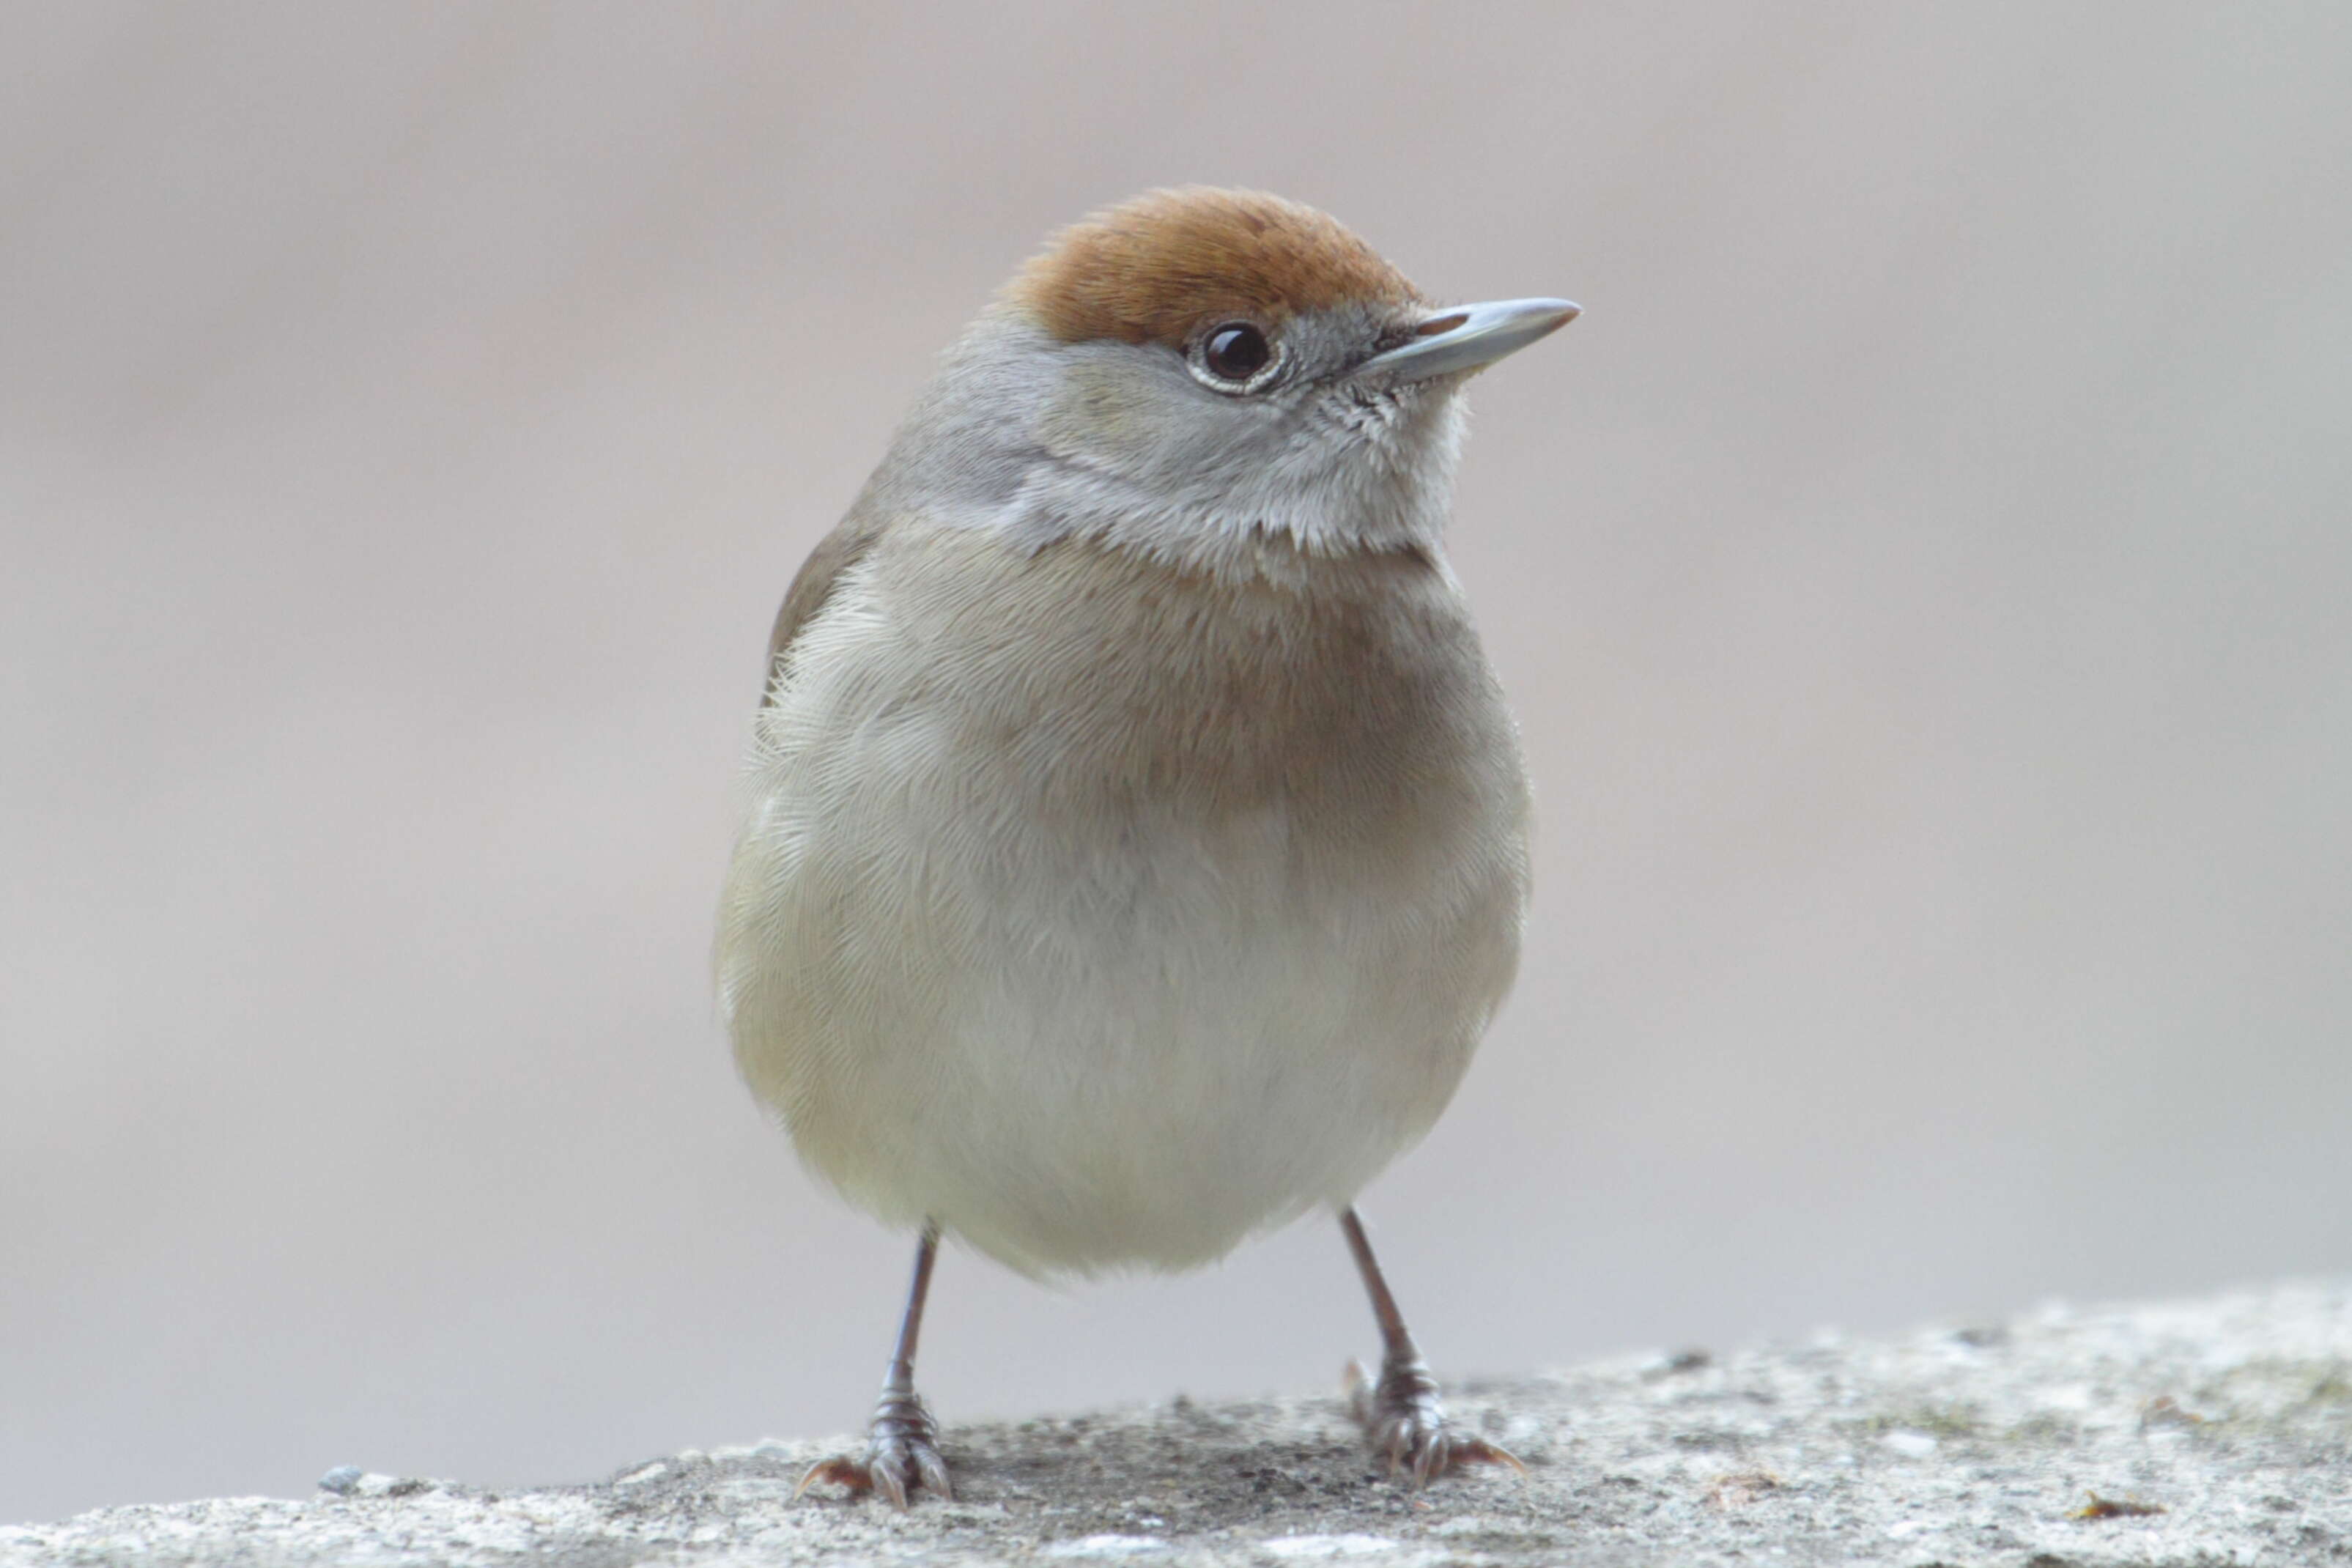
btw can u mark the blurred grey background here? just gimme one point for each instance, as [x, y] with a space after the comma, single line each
[1922, 576]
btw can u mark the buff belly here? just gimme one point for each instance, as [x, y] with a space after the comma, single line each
[1011, 977]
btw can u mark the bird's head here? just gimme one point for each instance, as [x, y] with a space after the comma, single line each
[1194, 369]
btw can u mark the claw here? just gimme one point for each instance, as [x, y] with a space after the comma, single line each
[1406, 1425]
[902, 1452]
[888, 1482]
[841, 1470]
[933, 1471]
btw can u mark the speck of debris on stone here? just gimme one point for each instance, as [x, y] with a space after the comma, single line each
[2116, 1508]
[1741, 1488]
[1679, 1362]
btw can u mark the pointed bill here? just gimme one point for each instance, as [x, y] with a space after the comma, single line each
[1468, 336]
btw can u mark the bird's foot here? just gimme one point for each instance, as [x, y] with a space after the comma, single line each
[902, 1452]
[1405, 1425]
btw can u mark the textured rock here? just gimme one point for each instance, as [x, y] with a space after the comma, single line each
[2217, 1431]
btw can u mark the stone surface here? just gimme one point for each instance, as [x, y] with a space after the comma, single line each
[2215, 1431]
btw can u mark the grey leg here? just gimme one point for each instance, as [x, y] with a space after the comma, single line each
[902, 1449]
[1401, 1415]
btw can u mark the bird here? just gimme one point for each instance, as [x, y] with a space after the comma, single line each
[1136, 836]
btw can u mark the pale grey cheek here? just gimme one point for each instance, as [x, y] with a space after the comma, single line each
[1149, 423]
[1156, 428]
[1043, 438]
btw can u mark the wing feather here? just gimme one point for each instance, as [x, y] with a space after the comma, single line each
[813, 585]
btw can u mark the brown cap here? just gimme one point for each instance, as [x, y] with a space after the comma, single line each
[1158, 266]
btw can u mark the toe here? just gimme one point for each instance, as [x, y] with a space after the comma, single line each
[893, 1467]
[839, 1470]
[890, 1482]
[932, 1471]
[1447, 1451]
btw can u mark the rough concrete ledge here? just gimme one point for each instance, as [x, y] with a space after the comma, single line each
[2206, 1432]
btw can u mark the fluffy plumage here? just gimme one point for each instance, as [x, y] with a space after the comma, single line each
[1137, 847]
[1106, 916]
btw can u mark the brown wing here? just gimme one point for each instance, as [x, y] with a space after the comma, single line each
[812, 586]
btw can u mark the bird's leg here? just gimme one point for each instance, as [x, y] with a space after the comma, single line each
[902, 1447]
[1401, 1415]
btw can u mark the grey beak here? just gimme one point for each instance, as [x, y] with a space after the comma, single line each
[1468, 336]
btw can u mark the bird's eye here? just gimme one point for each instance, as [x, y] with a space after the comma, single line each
[1235, 353]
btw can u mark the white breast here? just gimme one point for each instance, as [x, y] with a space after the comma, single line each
[1104, 938]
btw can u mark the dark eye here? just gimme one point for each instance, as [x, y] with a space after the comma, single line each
[1235, 352]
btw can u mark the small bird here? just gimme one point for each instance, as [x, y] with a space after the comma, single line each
[1137, 838]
